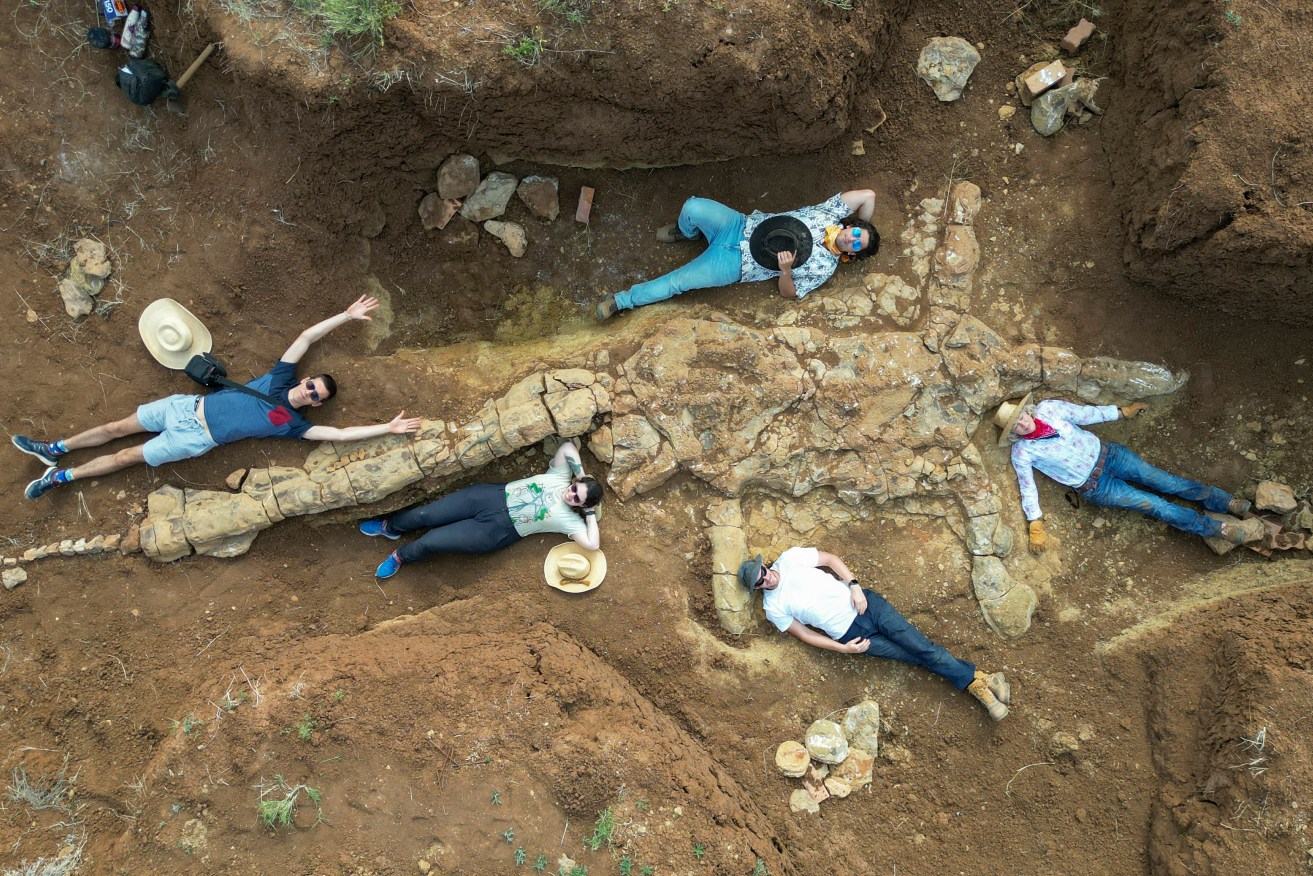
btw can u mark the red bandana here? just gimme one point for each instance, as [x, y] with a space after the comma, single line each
[1042, 430]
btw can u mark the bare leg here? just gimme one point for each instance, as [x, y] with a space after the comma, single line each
[105, 434]
[110, 462]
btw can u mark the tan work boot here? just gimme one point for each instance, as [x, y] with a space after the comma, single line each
[1238, 507]
[980, 690]
[671, 234]
[606, 308]
[1242, 531]
[998, 686]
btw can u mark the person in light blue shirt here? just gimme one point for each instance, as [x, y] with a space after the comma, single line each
[188, 426]
[1048, 437]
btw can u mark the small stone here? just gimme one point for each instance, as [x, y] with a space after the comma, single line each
[77, 302]
[800, 801]
[509, 233]
[458, 177]
[826, 742]
[1007, 111]
[541, 194]
[1077, 36]
[11, 561]
[1049, 111]
[1064, 743]
[424, 866]
[814, 782]
[32, 315]
[792, 759]
[858, 148]
[1082, 816]
[838, 788]
[234, 480]
[13, 577]
[858, 767]
[436, 211]
[65, 547]
[1274, 496]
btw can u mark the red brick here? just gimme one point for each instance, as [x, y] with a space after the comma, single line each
[1043, 79]
[1077, 36]
[585, 205]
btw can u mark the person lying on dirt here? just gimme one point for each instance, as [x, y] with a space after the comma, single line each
[799, 594]
[801, 248]
[187, 426]
[483, 518]
[1048, 436]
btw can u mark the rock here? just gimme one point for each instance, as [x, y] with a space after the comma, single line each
[963, 203]
[945, 64]
[585, 208]
[461, 235]
[1063, 743]
[13, 577]
[1006, 605]
[195, 838]
[490, 198]
[1274, 496]
[510, 233]
[1221, 546]
[541, 194]
[1049, 110]
[792, 758]
[856, 769]
[424, 866]
[814, 782]
[234, 480]
[801, 801]
[1038, 81]
[1077, 36]
[1085, 91]
[862, 726]
[89, 267]
[1006, 111]
[66, 547]
[77, 301]
[458, 177]
[436, 211]
[825, 742]
[838, 787]
[957, 257]
[1019, 84]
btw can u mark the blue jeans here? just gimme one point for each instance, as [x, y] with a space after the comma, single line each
[720, 265]
[1124, 468]
[894, 638]
[472, 520]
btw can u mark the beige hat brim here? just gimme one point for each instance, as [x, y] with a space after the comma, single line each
[1005, 438]
[596, 568]
[154, 315]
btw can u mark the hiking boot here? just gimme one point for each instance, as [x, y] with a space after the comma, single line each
[998, 686]
[388, 567]
[1242, 531]
[672, 234]
[40, 449]
[607, 308]
[980, 690]
[42, 485]
[1238, 507]
[375, 528]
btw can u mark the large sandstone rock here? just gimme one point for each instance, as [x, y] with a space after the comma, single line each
[458, 177]
[1006, 604]
[862, 726]
[490, 198]
[945, 64]
[1274, 496]
[825, 742]
[541, 195]
[792, 759]
[511, 234]
[856, 769]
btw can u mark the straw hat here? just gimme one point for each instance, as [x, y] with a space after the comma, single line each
[1006, 417]
[574, 569]
[172, 334]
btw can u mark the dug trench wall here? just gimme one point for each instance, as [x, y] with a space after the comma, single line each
[1208, 138]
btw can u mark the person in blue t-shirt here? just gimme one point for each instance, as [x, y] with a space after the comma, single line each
[191, 425]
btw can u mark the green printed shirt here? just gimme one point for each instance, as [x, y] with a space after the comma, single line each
[535, 504]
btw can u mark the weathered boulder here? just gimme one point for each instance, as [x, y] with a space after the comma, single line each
[490, 198]
[458, 177]
[862, 726]
[1006, 604]
[1274, 496]
[792, 759]
[510, 233]
[856, 768]
[963, 203]
[825, 742]
[945, 64]
[77, 301]
[12, 577]
[541, 194]
[436, 211]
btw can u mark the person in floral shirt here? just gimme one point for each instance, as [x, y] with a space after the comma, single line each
[840, 230]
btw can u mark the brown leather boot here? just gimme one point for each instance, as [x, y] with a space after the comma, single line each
[606, 308]
[1238, 507]
[1242, 531]
[980, 690]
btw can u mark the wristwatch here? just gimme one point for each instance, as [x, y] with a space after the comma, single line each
[853, 583]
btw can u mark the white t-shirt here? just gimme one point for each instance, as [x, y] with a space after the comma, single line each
[535, 503]
[808, 594]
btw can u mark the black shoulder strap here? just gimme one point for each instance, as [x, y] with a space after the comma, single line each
[246, 389]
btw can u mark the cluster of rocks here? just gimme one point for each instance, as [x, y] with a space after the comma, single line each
[834, 759]
[1287, 521]
[85, 278]
[1052, 92]
[462, 191]
[13, 574]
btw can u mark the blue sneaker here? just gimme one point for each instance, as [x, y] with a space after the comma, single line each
[42, 485]
[388, 567]
[375, 528]
[40, 449]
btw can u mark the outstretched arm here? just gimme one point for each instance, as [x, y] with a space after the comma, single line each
[861, 202]
[568, 454]
[359, 310]
[400, 425]
[820, 640]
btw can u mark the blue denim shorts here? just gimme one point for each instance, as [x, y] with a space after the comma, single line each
[181, 434]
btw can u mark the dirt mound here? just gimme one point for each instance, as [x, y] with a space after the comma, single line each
[1210, 146]
[519, 734]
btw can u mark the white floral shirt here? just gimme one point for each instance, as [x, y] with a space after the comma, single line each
[820, 265]
[1068, 457]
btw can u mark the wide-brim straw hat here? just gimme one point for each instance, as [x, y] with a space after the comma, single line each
[172, 333]
[1006, 417]
[574, 569]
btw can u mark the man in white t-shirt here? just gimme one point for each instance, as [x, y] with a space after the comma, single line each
[800, 597]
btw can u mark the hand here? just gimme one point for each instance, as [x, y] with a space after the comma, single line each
[857, 646]
[401, 425]
[1037, 538]
[1133, 410]
[363, 305]
[785, 260]
[859, 598]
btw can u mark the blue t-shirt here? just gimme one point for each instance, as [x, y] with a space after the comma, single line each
[233, 415]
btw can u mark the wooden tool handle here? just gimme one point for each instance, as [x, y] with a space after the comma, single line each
[195, 65]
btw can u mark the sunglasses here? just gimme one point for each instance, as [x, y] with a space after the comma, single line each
[310, 388]
[761, 579]
[857, 239]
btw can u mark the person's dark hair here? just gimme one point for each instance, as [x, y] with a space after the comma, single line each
[592, 493]
[100, 38]
[330, 385]
[868, 249]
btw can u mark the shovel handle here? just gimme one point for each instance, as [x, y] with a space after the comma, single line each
[195, 65]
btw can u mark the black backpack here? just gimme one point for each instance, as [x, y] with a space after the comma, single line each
[143, 80]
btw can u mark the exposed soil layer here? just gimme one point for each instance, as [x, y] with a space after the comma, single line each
[1210, 152]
